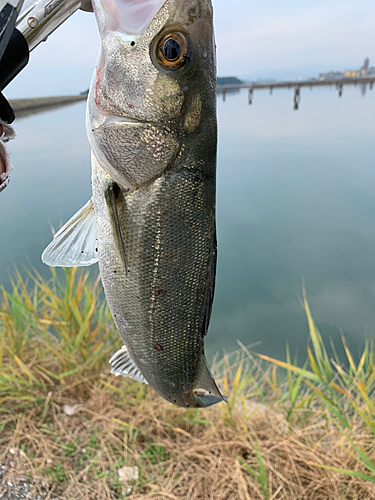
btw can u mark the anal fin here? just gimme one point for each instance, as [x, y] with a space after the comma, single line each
[122, 364]
[76, 242]
[111, 197]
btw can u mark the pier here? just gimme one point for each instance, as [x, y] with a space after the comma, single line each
[296, 85]
[24, 107]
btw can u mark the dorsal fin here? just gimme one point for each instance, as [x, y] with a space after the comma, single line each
[76, 242]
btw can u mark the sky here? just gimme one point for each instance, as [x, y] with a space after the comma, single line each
[255, 39]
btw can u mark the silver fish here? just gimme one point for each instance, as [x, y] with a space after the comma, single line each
[151, 124]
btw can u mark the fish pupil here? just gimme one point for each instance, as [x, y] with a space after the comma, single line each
[171, 49]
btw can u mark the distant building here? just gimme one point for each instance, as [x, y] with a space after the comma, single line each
[366, 64]
[364, 70]
[331, 75]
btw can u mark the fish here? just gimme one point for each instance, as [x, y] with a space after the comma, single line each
[152, 128]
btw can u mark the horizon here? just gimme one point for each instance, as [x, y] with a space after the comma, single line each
[254, 41]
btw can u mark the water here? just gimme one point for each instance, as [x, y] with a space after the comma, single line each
[295, 201]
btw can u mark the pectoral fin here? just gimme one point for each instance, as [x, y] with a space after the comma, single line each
[76, 242]
[111, 197]
[122, 364]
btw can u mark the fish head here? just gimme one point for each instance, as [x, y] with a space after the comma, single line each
[153, 87]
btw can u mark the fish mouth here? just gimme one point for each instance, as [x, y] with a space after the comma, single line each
[116, 120]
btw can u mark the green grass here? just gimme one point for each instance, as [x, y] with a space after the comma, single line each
[53, 333]
[288, 431]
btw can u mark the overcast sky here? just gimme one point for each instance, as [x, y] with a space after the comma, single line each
[256, 39]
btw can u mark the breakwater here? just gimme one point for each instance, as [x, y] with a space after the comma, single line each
[296, 85]
[24, 107]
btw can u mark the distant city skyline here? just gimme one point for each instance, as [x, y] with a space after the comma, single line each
[305, 72]
[254, 40]
[364, 70]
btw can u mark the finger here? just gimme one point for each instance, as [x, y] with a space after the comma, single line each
[2, 161]
[2, 165]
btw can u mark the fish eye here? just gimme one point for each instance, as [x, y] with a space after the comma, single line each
[172, 51]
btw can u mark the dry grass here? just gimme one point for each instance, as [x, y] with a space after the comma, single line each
[309, 435]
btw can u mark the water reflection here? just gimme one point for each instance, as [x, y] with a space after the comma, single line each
[223, 93]
[50, 180]
[296, 87]
[295, 201]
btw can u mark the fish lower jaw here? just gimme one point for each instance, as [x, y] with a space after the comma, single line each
[115, 119]
[124, 120]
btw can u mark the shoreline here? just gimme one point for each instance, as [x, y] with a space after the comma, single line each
[30, 105]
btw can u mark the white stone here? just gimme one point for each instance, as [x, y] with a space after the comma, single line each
[71, 410]
[128, 473]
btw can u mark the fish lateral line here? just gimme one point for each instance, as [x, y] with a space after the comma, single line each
[151, 123]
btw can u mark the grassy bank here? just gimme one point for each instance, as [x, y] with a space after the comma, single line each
[75, 431]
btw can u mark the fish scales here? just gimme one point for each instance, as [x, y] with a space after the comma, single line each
[152, 129]
[166, 243]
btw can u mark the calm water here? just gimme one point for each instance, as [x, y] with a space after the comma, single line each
[295, 201]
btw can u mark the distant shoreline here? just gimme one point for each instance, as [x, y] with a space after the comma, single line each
[31, 105]
[24, 107]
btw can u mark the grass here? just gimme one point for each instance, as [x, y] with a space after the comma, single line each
[286, 432]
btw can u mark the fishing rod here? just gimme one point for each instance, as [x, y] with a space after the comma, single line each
[23, 26]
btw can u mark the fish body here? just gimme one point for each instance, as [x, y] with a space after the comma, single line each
[151, 124]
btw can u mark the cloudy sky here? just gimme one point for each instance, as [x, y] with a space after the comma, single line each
[255, 39]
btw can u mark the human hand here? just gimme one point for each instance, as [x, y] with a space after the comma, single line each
[2, 160]
[6, 133]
